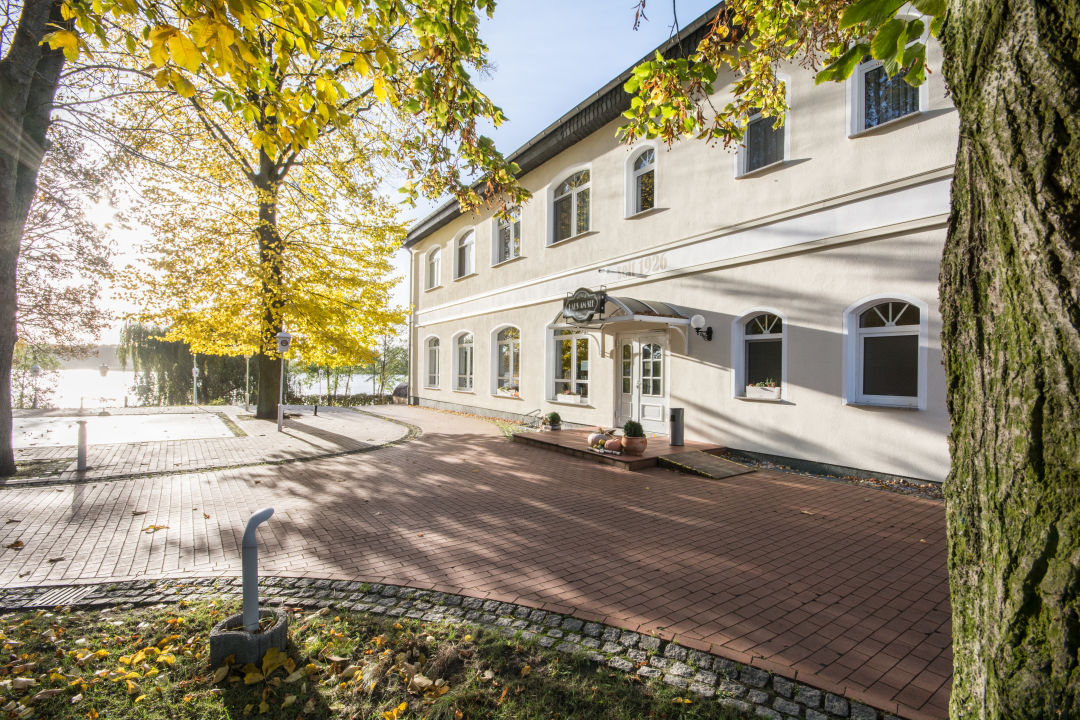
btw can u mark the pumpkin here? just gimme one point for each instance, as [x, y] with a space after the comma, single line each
[613, 444]
[597, 437]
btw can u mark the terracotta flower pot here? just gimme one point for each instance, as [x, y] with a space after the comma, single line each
[634, 445]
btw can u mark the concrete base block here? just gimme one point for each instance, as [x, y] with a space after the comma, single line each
[229, 638]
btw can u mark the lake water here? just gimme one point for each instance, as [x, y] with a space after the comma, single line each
[93, 390]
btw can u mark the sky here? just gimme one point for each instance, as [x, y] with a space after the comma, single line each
[547, 57]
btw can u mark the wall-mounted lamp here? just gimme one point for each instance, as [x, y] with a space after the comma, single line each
[698, 322]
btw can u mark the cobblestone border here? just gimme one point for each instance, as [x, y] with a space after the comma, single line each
[16, 483]
[739, 687]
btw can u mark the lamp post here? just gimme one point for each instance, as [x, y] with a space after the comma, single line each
[35, 371]
[194, 383]
[104, 370]
[283, 340]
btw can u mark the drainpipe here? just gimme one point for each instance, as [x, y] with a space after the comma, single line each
[250, 560]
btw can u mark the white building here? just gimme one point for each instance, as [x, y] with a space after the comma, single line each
[811, 253]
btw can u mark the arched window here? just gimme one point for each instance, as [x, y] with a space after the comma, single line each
[508, 362]
[571, 205]
[463, 363]
[888, 363]
[431, 359]
[643, 182]
[464, 255]
[508, 237]
[434, 268]
[758, 356]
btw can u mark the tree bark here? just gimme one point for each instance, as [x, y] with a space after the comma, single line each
[1010, 299]
[271, 258]
[29, 75]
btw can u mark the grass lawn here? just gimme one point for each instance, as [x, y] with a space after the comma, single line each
[153, 663]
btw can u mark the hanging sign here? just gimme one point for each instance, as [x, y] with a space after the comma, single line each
[583, 304]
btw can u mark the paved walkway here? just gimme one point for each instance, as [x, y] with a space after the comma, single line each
[841, 587]
[250, 441]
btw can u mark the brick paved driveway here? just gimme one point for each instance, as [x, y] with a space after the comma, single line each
[840, 587]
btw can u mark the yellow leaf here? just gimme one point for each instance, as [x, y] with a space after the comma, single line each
[289, 700]
[132, 688]
[93, 714]
[380, 88]
[220, 674]
[293, 677]
[525, 671]
[140, 698]
[264, 707]
[272, 660]
[184, 53]
[253, 677]
[167, 658]
[183, 88]
[138, 657]
[64, 40]
[154, 528]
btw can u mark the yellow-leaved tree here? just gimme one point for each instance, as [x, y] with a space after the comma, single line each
[287, 94]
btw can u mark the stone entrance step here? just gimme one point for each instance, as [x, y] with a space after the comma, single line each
[704, 464]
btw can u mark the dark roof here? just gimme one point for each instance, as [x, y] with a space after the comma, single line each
[596, 111]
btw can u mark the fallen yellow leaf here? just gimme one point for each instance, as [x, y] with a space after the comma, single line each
[220, 674]
[525, 671]
[253, 677]
[154, 528]
[289, 700]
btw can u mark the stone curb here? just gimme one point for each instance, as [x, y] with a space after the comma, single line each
[412, 432]
[740, 687]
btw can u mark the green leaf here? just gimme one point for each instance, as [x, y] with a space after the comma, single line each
[933, 8]
[913, 32]
[884, 44]
[916, 74]
[873, 12]
[935, 25]
[842, 67]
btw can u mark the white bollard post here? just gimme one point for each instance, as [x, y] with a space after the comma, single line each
[81, 463]
[250, 566]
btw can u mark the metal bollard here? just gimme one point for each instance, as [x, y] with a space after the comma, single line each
[250, 561]
[81, 462]
[316, 409]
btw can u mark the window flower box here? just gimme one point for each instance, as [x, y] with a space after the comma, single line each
[508, 392]
[763, 392]
[570, 398]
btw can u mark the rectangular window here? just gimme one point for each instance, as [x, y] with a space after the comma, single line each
[571, 366]
[465, 367]
[563, 221]
[582, 198]
[644, 192]
[886, 98]
[433, 366]
[891, 365]
[764, 144]
[764, 361]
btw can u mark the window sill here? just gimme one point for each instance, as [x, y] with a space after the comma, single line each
[875, 405]
[431, 387]
[465, 392]
[645, 213]
[776, 401]
[507, 397]
[432, 288]
[569, 403]
[508, 261]
[763, 170]
[466, 276]
[572, 238]
[886, 126]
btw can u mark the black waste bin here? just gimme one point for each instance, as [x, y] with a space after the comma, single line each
[675, 426]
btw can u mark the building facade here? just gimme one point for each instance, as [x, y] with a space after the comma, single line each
[784, 293]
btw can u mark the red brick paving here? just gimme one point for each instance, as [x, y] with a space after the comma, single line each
[837, 586]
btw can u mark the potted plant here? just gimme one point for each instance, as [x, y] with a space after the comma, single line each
[552, 421]
[568, 396]
[767, 389]
[508, 391]
[633, 439]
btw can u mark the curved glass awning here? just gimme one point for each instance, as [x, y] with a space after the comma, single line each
[619, 312]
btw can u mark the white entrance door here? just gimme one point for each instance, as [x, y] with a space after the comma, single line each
[642, 381]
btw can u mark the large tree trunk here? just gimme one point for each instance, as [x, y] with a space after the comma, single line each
[29, 74]
[272, 261]
[1010, 298]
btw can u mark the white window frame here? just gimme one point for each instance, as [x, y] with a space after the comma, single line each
[456, 363]
[495, 348]
[742, 155]
[427, 361]
[553, 362]
[852, 368]
[738, 350]
[856, 109]
[632, 175]
[433, 280]
[563, 177]
[468, 237]
[496, 244]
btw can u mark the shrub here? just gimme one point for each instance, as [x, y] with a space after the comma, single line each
[553, 418]
[633, 428]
